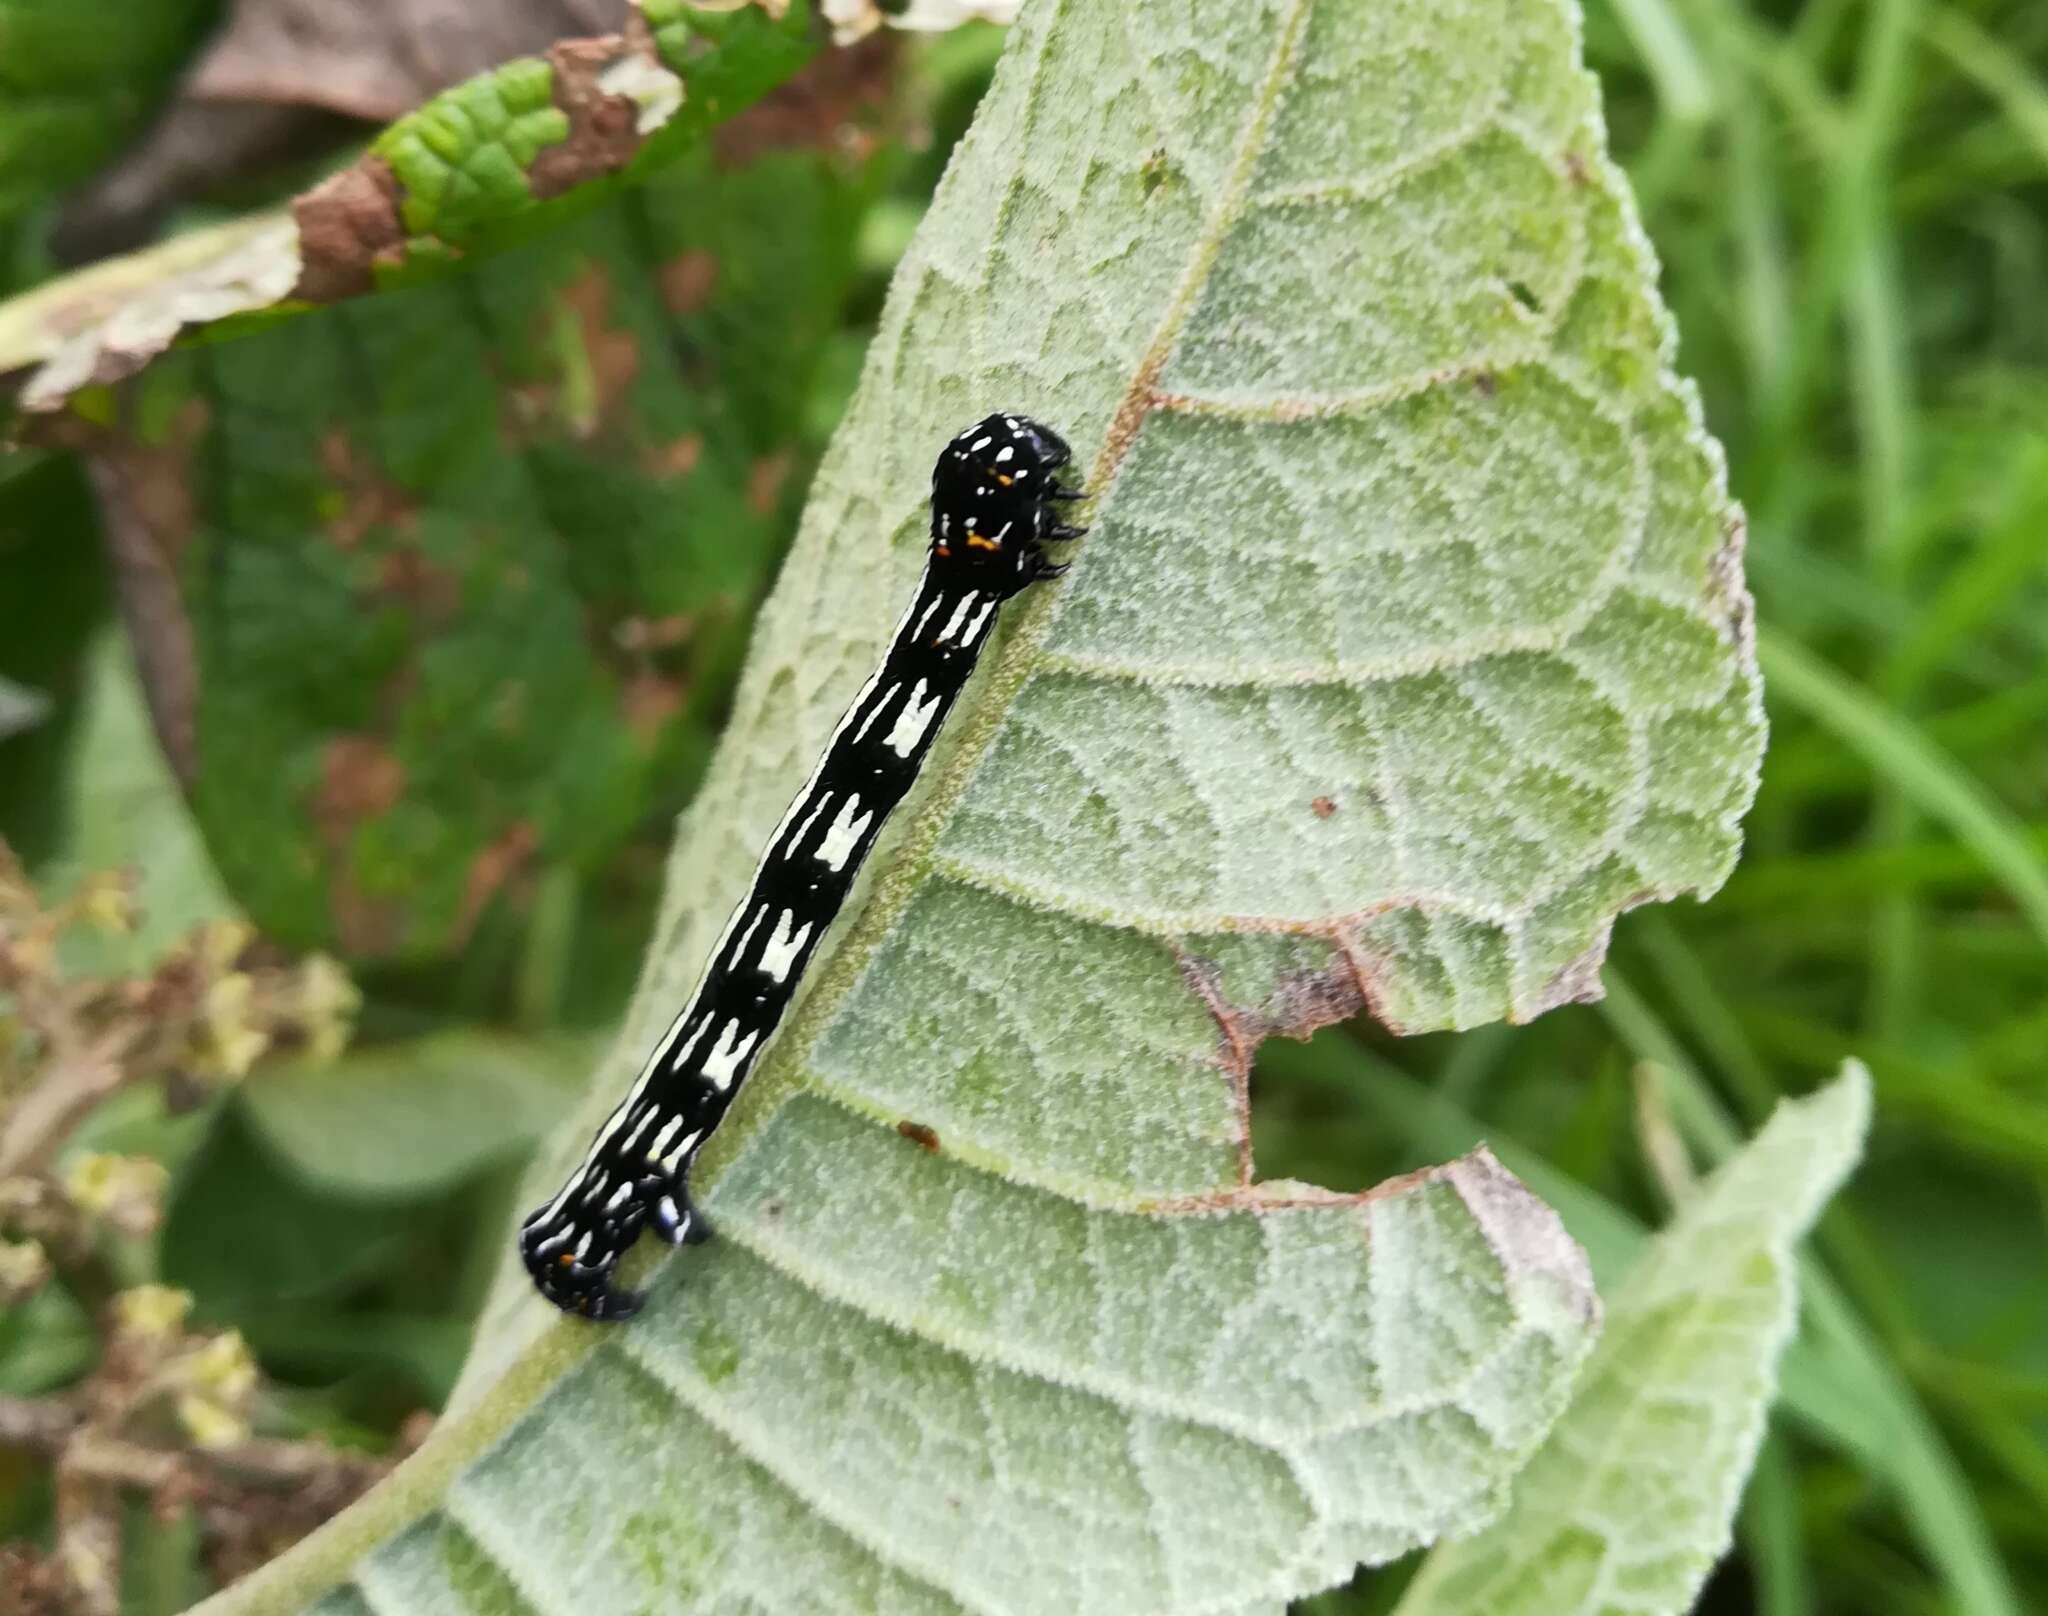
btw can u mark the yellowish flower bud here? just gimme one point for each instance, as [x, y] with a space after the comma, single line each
[151, 1312]
[223, 1369]
[222, 942]
[208, 1424]
[24, 1267]
[108, 902]
[126, 1191]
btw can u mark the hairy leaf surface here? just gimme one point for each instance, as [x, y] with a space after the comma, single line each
[1630, 1502]
[1408, 647]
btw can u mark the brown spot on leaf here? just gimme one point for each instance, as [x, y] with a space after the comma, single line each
[348, 225]
[1304, 1001]
[918, 1134]
[491, 868]
[765, 478]
[367, 927]
[603, 134]
[1575, 168]
[1323, 807]
[1300, 1003]
[818, 109]
[367, 500]
[1726, 589]
[431, 593]
[640, 635]
[675, 459]
[1486, 382]
[688, 280]
[613, 352]
[359, 779]
[649, 704]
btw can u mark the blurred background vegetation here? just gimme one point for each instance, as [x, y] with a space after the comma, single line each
[470, 572]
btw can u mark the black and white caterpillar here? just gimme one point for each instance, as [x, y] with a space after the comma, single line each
[995, 493]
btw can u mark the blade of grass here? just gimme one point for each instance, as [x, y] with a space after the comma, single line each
[1851, 877]
[1691, 986]
[2001, 74]
[1901, 755]
[1776, 1536]
[2014, 712]
[1986, 585]
[1685, 94]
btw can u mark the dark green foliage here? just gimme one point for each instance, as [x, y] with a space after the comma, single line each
[471, 563]
[74, 80]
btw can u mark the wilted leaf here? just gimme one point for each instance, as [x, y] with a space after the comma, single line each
[108, 321]
[1407, 648]
[492, 160]
[1630, 1502]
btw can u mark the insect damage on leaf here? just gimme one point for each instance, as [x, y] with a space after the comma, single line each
[1077, 1359]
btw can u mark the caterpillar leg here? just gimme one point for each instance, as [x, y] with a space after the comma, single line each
[579, 1283]
[675, 1217]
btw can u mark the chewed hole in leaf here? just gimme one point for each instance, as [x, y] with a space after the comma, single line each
[1306, 1129]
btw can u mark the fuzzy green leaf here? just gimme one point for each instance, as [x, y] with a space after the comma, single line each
[1408, 647]
[1631, 1501]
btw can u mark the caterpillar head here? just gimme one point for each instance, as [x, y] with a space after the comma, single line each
[994, 490]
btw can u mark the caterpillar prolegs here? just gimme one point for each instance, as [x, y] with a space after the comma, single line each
[995, 493]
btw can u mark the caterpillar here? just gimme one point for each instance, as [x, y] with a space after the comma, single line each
[994, 508]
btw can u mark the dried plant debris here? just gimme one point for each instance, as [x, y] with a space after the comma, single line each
[170, 1413]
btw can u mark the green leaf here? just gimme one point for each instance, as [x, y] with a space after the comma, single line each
[1408, 647]
[127, 813]
[74, 80]
[400, 1121]
[1631, 1500]
[497, 159]
[242, 1230]
[463, 569]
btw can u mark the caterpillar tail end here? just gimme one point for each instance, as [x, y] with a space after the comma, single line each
[574, 1284]
[572, 1247]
